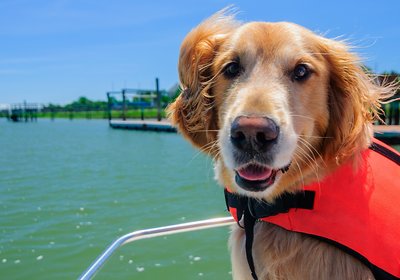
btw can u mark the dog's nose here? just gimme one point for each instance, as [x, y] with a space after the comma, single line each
[253, 133]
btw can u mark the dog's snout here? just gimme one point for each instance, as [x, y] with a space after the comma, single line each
[253, 133]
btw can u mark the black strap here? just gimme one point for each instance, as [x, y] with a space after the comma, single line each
[262, 209]
[379, 273]
[252, 209]
[393, 156]
[249, 222]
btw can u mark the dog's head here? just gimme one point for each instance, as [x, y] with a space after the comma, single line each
[260, 97]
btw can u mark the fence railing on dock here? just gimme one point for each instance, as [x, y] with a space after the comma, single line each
[130, 103]
[21, 112]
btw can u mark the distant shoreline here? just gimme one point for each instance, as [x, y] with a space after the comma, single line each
[148, 113]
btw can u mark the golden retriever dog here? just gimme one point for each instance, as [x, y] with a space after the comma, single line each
[259, 97]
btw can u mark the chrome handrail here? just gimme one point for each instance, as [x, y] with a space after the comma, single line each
[150, 233]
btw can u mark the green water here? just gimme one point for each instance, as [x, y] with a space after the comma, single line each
[69, 188]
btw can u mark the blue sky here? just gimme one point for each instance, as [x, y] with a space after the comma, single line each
[57, 50]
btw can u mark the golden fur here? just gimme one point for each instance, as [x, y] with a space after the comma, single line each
[324, 121]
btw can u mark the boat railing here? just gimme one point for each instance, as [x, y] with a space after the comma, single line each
[150, 233]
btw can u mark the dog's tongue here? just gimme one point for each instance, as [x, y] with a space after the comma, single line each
[255, 172]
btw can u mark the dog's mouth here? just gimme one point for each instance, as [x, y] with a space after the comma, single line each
[255, 177]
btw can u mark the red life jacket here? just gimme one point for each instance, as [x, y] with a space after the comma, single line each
[357, 210]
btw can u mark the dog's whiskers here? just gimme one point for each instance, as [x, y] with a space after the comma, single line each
[310, 164]
[209, 147]
[312, 149]
[300, 172]
[314, 136]
[301, 116]
[309, 157]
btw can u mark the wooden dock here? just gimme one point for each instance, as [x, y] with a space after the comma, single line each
[147, 125]
[23, 112]
[389, 134]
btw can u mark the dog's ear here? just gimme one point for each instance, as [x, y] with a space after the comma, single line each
[193, 112]
[354, 102]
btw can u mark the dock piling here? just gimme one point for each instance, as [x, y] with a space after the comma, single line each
[158, 100]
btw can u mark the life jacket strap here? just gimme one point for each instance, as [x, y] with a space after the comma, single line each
[262, 209]
[249, 222]
[385, 151]
[252, 209]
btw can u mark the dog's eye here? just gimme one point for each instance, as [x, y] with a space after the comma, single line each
[232, 70]
[301, 72]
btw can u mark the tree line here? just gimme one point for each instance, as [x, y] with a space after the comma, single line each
[81, 104]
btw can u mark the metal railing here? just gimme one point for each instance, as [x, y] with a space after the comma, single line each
[150, 233]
